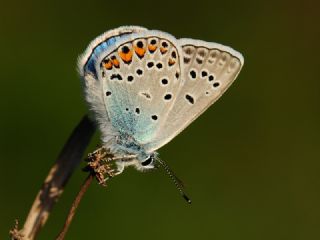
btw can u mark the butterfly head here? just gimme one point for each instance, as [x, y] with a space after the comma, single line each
[141, 161]
[147, 161]
[138, 156]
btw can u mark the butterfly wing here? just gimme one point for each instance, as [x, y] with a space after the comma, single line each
[208, 69]
[138, 78]
[150, 86]
[92, 84]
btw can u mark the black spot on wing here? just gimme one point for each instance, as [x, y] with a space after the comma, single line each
[189, 98]
[115, 76]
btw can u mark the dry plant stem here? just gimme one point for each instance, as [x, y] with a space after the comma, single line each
[69, 158]
[74, 206]
[100, 166]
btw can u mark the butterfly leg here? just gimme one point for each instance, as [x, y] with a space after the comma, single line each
[100, 164]
[105, 165]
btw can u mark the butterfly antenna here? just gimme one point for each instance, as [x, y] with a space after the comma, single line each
[177, 182]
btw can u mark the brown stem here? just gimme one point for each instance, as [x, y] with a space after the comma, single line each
[74, 206]
[68, 159]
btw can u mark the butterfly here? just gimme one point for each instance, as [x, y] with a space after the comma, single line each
[143, 87]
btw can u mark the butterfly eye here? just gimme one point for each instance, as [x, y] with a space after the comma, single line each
[148, 161]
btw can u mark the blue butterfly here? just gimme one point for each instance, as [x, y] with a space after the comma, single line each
[145, 86]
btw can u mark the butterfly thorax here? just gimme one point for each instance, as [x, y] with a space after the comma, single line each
[128, 144]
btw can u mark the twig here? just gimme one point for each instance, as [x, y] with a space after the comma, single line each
[101, 166]
[69, 158]
[75, 205]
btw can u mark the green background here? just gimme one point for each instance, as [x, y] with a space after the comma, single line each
[250, 163]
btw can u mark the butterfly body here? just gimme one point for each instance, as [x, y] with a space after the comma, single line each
[144, 87]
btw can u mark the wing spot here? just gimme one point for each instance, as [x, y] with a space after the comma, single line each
[167, 97]
[193, 74]
[164, 81]
[150, 64]
[224, 57]
[108, 93]
[139, 49]
[163, 50]
[140, 44]
[204, 73]
[115, 62]
[159, 65]
[127, 109]
[207, 93]
[164, 47]
[216, 84]
[164, 44]
[199, 61]
[211, 78]
[214, 54]
[171, 62]
[125, 54]
[188, 50]
[174, 54]
[234, 64]
[186, 60]
[130, 78]
[152, 47]
[146, 95]
[125, 49]
[201, 53]
[177, 75]
[108, 64]
[139, 72]
[116, 76]
[190, 99]
[137, 110]
[154, 117]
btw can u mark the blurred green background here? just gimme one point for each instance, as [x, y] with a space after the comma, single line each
[250, 163]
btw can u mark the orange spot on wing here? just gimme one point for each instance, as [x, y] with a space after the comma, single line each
[108, 64]
[115, 62]
[163, 50]
[139, 51]
[171, 62]
[152, 48]
[126, 57]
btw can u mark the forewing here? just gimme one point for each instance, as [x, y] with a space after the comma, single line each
[92, 84]
[208, 69]
[140, 80]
